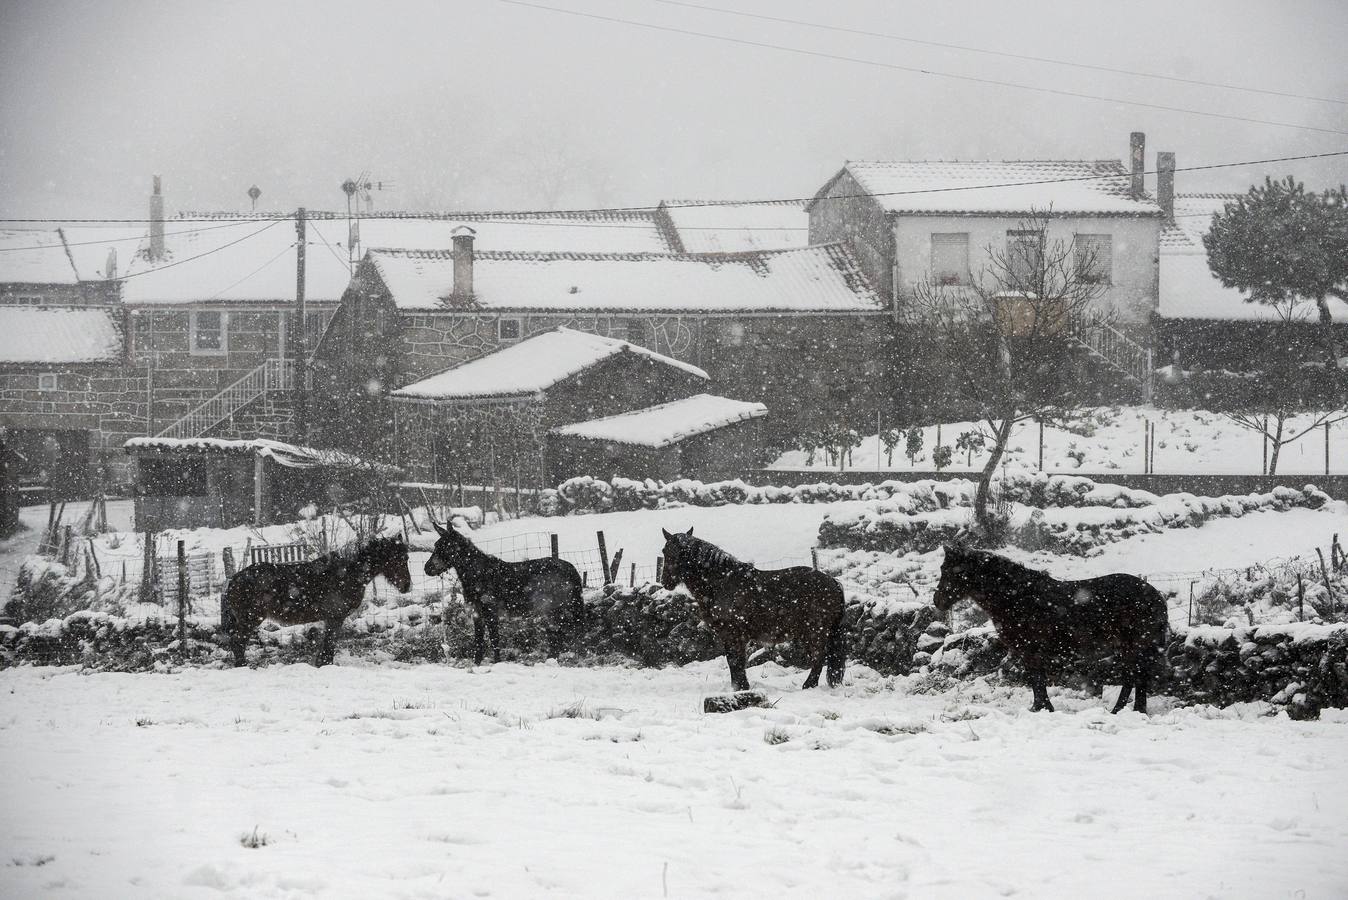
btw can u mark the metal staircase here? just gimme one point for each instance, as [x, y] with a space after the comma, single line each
[1115, 350]
[272, 375]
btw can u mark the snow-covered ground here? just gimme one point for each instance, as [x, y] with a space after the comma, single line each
[1187, 442]
[518, 782]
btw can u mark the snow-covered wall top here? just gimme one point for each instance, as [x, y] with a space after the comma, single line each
[530, 366]
[666, 423]
[35, 334]
[820, 278]
[288, 455]
[1069, 187]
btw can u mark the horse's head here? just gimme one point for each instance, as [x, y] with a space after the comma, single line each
[954, 585]
[678, 546]
[449, 550]
[388, 557]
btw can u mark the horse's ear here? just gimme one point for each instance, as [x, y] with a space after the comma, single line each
[689, 532]
[668, 536]
[444, 532]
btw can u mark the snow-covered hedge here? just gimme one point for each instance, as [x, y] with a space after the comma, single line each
[588, 494]
[902, 526]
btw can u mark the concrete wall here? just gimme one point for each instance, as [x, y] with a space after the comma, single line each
[1132, 292]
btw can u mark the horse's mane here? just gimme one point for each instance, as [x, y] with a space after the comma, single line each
[708, 555]
[1002, 570]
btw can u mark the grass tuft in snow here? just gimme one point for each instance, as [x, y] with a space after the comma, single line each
[577, 710]
[254, 839]
[776, 735]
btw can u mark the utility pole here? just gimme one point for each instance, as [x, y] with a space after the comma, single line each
[298, 353]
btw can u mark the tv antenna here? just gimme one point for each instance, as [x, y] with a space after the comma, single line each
[359, 189]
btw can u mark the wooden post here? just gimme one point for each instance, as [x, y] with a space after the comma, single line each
[814, 558]
[182, 596]
[555, 550]
[1264, 436]
[1326, 448]
[227, 560]
[1324, 573]
[93, 559]
[147, 570]
[300, 353]
[603, 556]
[1190, 620]
[1335, 554]
[259, 491]
[66, 535]
[1301, 599]
[632, 579]
[659, 569]
[1041, 443]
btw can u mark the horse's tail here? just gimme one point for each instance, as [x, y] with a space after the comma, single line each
[835, 655]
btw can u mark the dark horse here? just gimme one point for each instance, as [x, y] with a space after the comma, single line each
[1043, 620]
[327, 589]
[549, 586]
[743, 604]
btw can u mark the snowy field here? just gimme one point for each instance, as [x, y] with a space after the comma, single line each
[517, 782]
[1104, 440]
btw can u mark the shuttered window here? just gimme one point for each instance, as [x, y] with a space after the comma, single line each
[1094, 258]
[950, 258]
[1024, 258]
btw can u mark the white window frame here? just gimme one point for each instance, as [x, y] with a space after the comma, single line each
[1105, 272]
[961, 277]
[49, 381]
[192, 347]
[519, 329]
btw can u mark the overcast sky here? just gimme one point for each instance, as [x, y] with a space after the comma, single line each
[477, 104]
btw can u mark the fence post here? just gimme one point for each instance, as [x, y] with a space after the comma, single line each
[1301, 599]
[182, 596]
[1335, 555]
[1326, 448]
[814, 558]
[603, 556]
[1190, 620]
[632, 579]
[227, 560]
[1324, 573]
[1041, 443]
[147, 570]
[555, 551]
[659, 569]
[64, 552]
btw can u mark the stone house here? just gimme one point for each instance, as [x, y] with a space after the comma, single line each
[800, 330]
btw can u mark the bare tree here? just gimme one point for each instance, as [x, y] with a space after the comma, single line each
[1287, 384]
[1006, 335]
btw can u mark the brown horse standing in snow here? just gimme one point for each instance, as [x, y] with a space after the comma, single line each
[327, 589]
[1043, 620]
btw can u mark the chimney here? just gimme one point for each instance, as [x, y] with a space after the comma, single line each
[156, 223]
[463, 261]
[1137, 146]
[1165, 184]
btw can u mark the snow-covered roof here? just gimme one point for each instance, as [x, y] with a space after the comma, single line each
[288, 455]
[35, 257]
[819, 278]
[702, 226]
[1068, 187]
[667, 423]
[253, 260]
[531, 366]
[1189, 290]
[45, 334]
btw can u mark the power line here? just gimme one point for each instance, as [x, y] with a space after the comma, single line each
[85, 221]
[517, 218]
[121, 240]
[210, 252]
[218, 294]
[324, 241]
[917, 69]
[1002, 53]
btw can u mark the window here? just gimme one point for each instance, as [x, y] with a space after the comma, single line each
[210, 333]
[508, 329]
[47, 381]
[950, 258]
[1024, 258]
[1094, 256]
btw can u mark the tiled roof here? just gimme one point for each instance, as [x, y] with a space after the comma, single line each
[239, 262]
[531, 366]
[666, 424]
[702, 226]
[45, 334]
[289, 455]
[1068, 187]
[818, 278]
[1189, 290]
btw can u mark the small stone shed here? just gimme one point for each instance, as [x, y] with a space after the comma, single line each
[704, 437]
[216, 483]
[491, 421]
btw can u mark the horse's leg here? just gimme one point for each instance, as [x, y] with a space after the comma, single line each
[494, 632]
[1124, 691]
[1140, 703]
[1039, 683]
[479, 639]
[736, 658]
[817, 649]
[325, 649]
